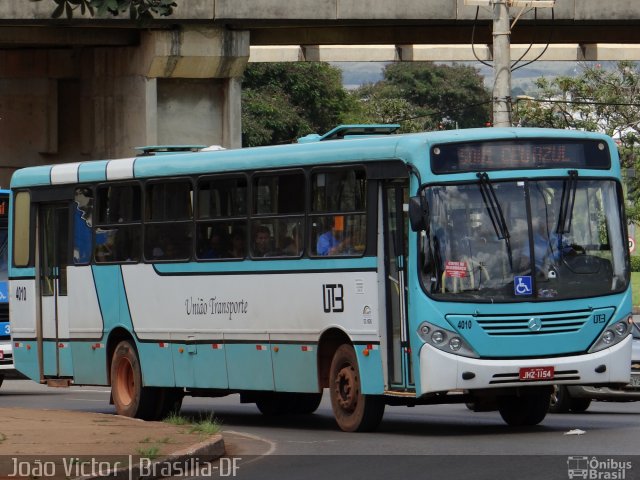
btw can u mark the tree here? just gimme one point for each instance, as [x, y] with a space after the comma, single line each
[139, 10]
[283, 101]
[598, 99]
[426, 96]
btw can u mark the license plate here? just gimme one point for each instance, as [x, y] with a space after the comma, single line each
[536, 373]
[635, 381]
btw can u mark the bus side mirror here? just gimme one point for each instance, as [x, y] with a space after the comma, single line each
[418, 213]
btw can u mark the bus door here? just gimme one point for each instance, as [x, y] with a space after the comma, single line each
[53, 251]
[395, 225]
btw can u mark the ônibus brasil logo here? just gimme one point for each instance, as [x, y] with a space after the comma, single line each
[593, 468]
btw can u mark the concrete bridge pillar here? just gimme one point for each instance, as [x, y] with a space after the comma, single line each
[175, 86]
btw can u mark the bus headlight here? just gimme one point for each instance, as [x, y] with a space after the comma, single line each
[445, 340]
[612, 335]
[620, 328]
[455, 344]
[438, 337]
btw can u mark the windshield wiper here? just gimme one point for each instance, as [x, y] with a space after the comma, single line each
[495, 212]
[569, 187]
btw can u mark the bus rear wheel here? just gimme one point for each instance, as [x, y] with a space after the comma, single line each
[282, 403]
[305, 403]
[168, 401]
[130, 397]
[526, 409]
[353, 411]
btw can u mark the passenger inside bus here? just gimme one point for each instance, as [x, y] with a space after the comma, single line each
[334, 241]
[238, 243]
[217, 246]
[262, 242]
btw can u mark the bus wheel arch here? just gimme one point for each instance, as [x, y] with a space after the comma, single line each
[329, 342]
[116, 336]
[130, 397]
[128, 392]
[353, 410]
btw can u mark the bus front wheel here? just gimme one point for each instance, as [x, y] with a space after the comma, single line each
[527, 409]
[130, 397]
[353, 411]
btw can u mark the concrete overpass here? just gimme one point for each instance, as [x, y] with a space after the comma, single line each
[86, 88]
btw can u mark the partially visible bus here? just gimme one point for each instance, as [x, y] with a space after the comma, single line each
[479, 266]
[6, 351]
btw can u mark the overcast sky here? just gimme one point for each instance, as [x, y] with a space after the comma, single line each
[358, 73]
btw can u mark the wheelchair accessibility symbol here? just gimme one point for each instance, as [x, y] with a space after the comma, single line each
[522, 285]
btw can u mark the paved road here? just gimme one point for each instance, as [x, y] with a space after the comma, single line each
[445, 441]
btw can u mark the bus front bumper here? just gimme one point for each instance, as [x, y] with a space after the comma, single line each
[441, 371]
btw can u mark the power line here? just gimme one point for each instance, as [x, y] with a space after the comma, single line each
[443, 112]
[579, 102]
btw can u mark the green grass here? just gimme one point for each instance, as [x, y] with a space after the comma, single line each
[177, 419]
[150, 453]
[635, 288]
[205, 425]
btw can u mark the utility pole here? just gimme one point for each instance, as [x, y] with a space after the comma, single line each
[502, 51]
[501, 64]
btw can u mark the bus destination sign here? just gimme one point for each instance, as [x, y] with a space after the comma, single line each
[519, 154]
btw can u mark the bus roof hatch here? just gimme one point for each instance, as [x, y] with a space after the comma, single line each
[348, 131]
[167, 149]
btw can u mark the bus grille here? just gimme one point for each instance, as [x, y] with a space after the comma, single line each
[561, 322]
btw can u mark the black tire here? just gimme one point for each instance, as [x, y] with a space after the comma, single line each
[527, 409]
[168, 401]
[353, 411]
[130, 397]
[283, 403]
[305, 403]
[560, 401]
[271, 404]
[580, 405]
[1, 379]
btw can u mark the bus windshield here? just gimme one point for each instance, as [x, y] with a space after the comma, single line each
[523, 240]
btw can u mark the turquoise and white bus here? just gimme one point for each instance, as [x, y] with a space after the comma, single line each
[6, 351]
[479, 266]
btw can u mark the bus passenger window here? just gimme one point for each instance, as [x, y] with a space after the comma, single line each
[338, 213]
[168, 218]
[21, 226]
[82, 223]
[118, 229]
[278, 214]
[221, 218]
[221, 240]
